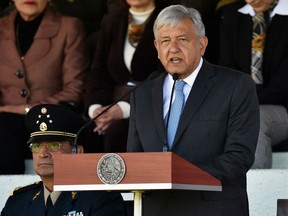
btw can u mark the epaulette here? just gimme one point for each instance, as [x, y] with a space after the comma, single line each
[25, 188]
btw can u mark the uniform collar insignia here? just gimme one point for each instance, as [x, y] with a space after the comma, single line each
[36, 195]
[73, 195]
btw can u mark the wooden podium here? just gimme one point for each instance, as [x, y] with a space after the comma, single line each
[144, 171]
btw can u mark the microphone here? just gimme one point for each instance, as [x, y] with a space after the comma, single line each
[74, 149]
[152, 76]
[175, 77]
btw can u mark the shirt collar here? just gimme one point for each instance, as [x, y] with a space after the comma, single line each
[191, 78]
[280, 9]
[54, 195]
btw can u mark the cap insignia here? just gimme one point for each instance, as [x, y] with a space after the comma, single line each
[43, 126]
[43, 110]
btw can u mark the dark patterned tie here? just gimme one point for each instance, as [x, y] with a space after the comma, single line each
[49, 206]
[258, 39]
[176, 111]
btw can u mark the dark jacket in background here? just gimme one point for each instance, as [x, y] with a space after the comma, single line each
[109, 69]
[235, 51]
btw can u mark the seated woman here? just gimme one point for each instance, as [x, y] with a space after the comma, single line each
[125, 54]
[43, 59]
[253, 39]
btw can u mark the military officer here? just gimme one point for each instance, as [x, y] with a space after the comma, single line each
[53, 130]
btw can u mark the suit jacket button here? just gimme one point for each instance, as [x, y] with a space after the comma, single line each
[20, 74]
[23, 92]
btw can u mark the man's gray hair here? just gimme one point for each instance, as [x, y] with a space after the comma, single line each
[175, 14]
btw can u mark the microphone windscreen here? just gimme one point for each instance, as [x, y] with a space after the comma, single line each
[175, 76]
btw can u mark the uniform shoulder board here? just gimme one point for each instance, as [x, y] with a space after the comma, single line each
[25, 188]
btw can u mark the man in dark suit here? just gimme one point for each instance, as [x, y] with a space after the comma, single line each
[236, 29]
[217, 130]
[53, 130]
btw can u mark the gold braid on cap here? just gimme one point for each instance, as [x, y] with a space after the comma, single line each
[56, 133]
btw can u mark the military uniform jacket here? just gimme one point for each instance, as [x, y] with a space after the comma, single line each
[29, 201]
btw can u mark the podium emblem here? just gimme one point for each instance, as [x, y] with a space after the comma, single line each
[111, 168]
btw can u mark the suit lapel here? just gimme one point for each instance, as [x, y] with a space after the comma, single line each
[244, 35]
[120, 33]
[201, 88]
[48, 28]
[7, 42]
[41, 45]
[157, 101]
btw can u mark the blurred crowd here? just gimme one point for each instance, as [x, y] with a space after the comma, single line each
[88, 54]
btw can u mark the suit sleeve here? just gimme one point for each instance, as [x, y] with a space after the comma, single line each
[242, 134]
[100, 86]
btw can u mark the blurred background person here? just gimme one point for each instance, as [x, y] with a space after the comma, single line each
[205, 7]
[253, 39]
[125, 55]
[45, 60]
[90, 12]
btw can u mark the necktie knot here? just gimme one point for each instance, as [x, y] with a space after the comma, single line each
[259, 17]
[179, 85]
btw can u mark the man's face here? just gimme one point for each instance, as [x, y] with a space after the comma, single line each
[43, 160]
[179, 49]
[260, 5]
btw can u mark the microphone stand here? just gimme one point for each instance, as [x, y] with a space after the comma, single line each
[100, 114]
[175, 77]
[152, 76]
